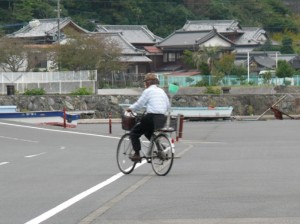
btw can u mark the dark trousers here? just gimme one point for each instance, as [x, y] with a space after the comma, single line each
[146, 127]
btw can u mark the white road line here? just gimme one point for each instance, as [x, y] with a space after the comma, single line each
[108, 205]
[76, 198]
[80, 196]
[202, 142]
[73, 200]
[35, 155]
[4, 163]
[54, 130]
[19, 139]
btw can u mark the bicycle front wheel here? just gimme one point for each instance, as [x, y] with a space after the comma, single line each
[124, 151]
[162, 155]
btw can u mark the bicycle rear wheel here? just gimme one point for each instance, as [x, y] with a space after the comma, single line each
[162, 155]
[124, 151]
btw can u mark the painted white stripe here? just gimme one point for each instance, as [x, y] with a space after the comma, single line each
[201, 142]
[35, 155]
[77, 198]
[19, 139]
[54, 130]
[4, 163]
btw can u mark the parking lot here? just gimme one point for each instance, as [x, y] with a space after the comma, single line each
[227, 172]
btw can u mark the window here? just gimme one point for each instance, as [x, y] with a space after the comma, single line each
[172, 57]
[169, 57]
[165, 58]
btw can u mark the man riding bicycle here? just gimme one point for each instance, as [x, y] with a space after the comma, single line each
[157, 104]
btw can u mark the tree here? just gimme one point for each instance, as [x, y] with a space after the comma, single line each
[188, 58]
[226, 63]
[267, 77]
[26, 10]
[13, 55]
[87, 52]
[284, 69]
[239, 71]
[206, 55]
[287, 45]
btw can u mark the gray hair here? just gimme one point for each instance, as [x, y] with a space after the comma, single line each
[153, 82]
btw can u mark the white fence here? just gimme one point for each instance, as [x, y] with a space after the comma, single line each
[51, 82]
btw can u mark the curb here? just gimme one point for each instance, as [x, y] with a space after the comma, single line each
[237, 118]
[98, 121]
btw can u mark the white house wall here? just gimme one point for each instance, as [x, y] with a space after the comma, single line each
[215, 42]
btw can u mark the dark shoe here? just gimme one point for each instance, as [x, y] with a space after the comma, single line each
[135, 157]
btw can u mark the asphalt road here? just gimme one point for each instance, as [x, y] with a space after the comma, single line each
[229, 172]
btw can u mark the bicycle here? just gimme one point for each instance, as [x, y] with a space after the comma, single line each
[159, 151]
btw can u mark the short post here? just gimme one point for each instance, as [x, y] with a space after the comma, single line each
[109, 122]
[181, 126]
[65, 117]
[177, 127]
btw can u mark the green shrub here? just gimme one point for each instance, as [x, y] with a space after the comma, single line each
[82, 91]
[203, 82]
[212, 90]
[250, 110]
[37, 91]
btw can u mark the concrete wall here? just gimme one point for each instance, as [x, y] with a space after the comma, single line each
[243, 104]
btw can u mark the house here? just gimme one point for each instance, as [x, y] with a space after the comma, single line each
[227, 35]
[140, 37]
[259, 63]
[155, 54]
[245, 38]
[41, 34]
[175, 44]
[292, 59]
[136, 60]
[45, 31]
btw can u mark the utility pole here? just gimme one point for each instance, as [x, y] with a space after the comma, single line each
[58, 21]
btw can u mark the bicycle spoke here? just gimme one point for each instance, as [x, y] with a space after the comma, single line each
[162, 155]
[124, 151]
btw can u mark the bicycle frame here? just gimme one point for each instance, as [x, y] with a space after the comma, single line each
[159, 151]
[146, 145]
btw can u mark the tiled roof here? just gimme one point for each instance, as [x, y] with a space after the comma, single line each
[43, 28]
[246, 36]
[129, 52]
[265, 61]
[222, 26]
[153, 49]
[184, 73]
[127, 48]
[183, 38]
[251, 36]
[135, 34]
[191, 38]
[285, 57]
[139, 58]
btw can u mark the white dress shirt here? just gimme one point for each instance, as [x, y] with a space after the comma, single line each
[154, 99]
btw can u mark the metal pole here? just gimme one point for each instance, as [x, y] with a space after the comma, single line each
[248, 57]
[109, 122]
[58, 21]
[65, 117]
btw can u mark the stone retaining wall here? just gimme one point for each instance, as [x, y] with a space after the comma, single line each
[103, 105]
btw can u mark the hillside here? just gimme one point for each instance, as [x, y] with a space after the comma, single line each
[162, 17]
